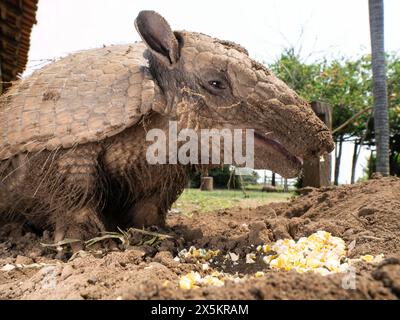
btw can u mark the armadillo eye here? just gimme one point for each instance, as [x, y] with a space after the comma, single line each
[217, 84]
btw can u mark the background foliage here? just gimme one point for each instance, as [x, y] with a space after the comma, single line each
[346, 84]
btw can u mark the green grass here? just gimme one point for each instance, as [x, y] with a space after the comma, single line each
[194, 200]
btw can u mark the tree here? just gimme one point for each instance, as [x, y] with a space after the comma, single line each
[343, 83]
[346, 84]
[381, 117]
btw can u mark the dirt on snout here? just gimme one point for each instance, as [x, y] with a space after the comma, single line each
[365, 215]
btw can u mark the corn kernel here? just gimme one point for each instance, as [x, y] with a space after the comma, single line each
[320, 253]
[250, 258]
[259, 274]
[186, 283]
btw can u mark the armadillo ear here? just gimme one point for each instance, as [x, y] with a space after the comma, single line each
[158, 36]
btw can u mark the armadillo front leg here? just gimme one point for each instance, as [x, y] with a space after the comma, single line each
[147, 212]
[81, 225]
[78, 218]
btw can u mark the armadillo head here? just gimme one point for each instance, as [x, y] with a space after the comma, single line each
[209, 83]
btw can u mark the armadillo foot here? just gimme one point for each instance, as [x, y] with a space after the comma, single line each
[82, 225]
[145, 213]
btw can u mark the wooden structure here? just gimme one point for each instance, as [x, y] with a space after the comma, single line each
[317, 172]
[17, 18]
[207, 184]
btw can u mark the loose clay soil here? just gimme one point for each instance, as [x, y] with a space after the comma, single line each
[368, 213]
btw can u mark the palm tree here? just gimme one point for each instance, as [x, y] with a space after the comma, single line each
[381, 118]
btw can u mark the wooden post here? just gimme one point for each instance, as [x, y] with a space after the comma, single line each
[317, 173]
[207, 184]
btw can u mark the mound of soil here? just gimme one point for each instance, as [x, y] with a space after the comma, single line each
[366, 215]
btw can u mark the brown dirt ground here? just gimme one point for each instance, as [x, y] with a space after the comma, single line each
[366, 212]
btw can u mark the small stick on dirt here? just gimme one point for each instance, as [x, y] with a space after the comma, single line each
[153, 234]
[359, 219]
[60, 243]
[109, 235]
[152, 241]
[372, 238]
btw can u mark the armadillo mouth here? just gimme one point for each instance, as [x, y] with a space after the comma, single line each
[292, 160]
